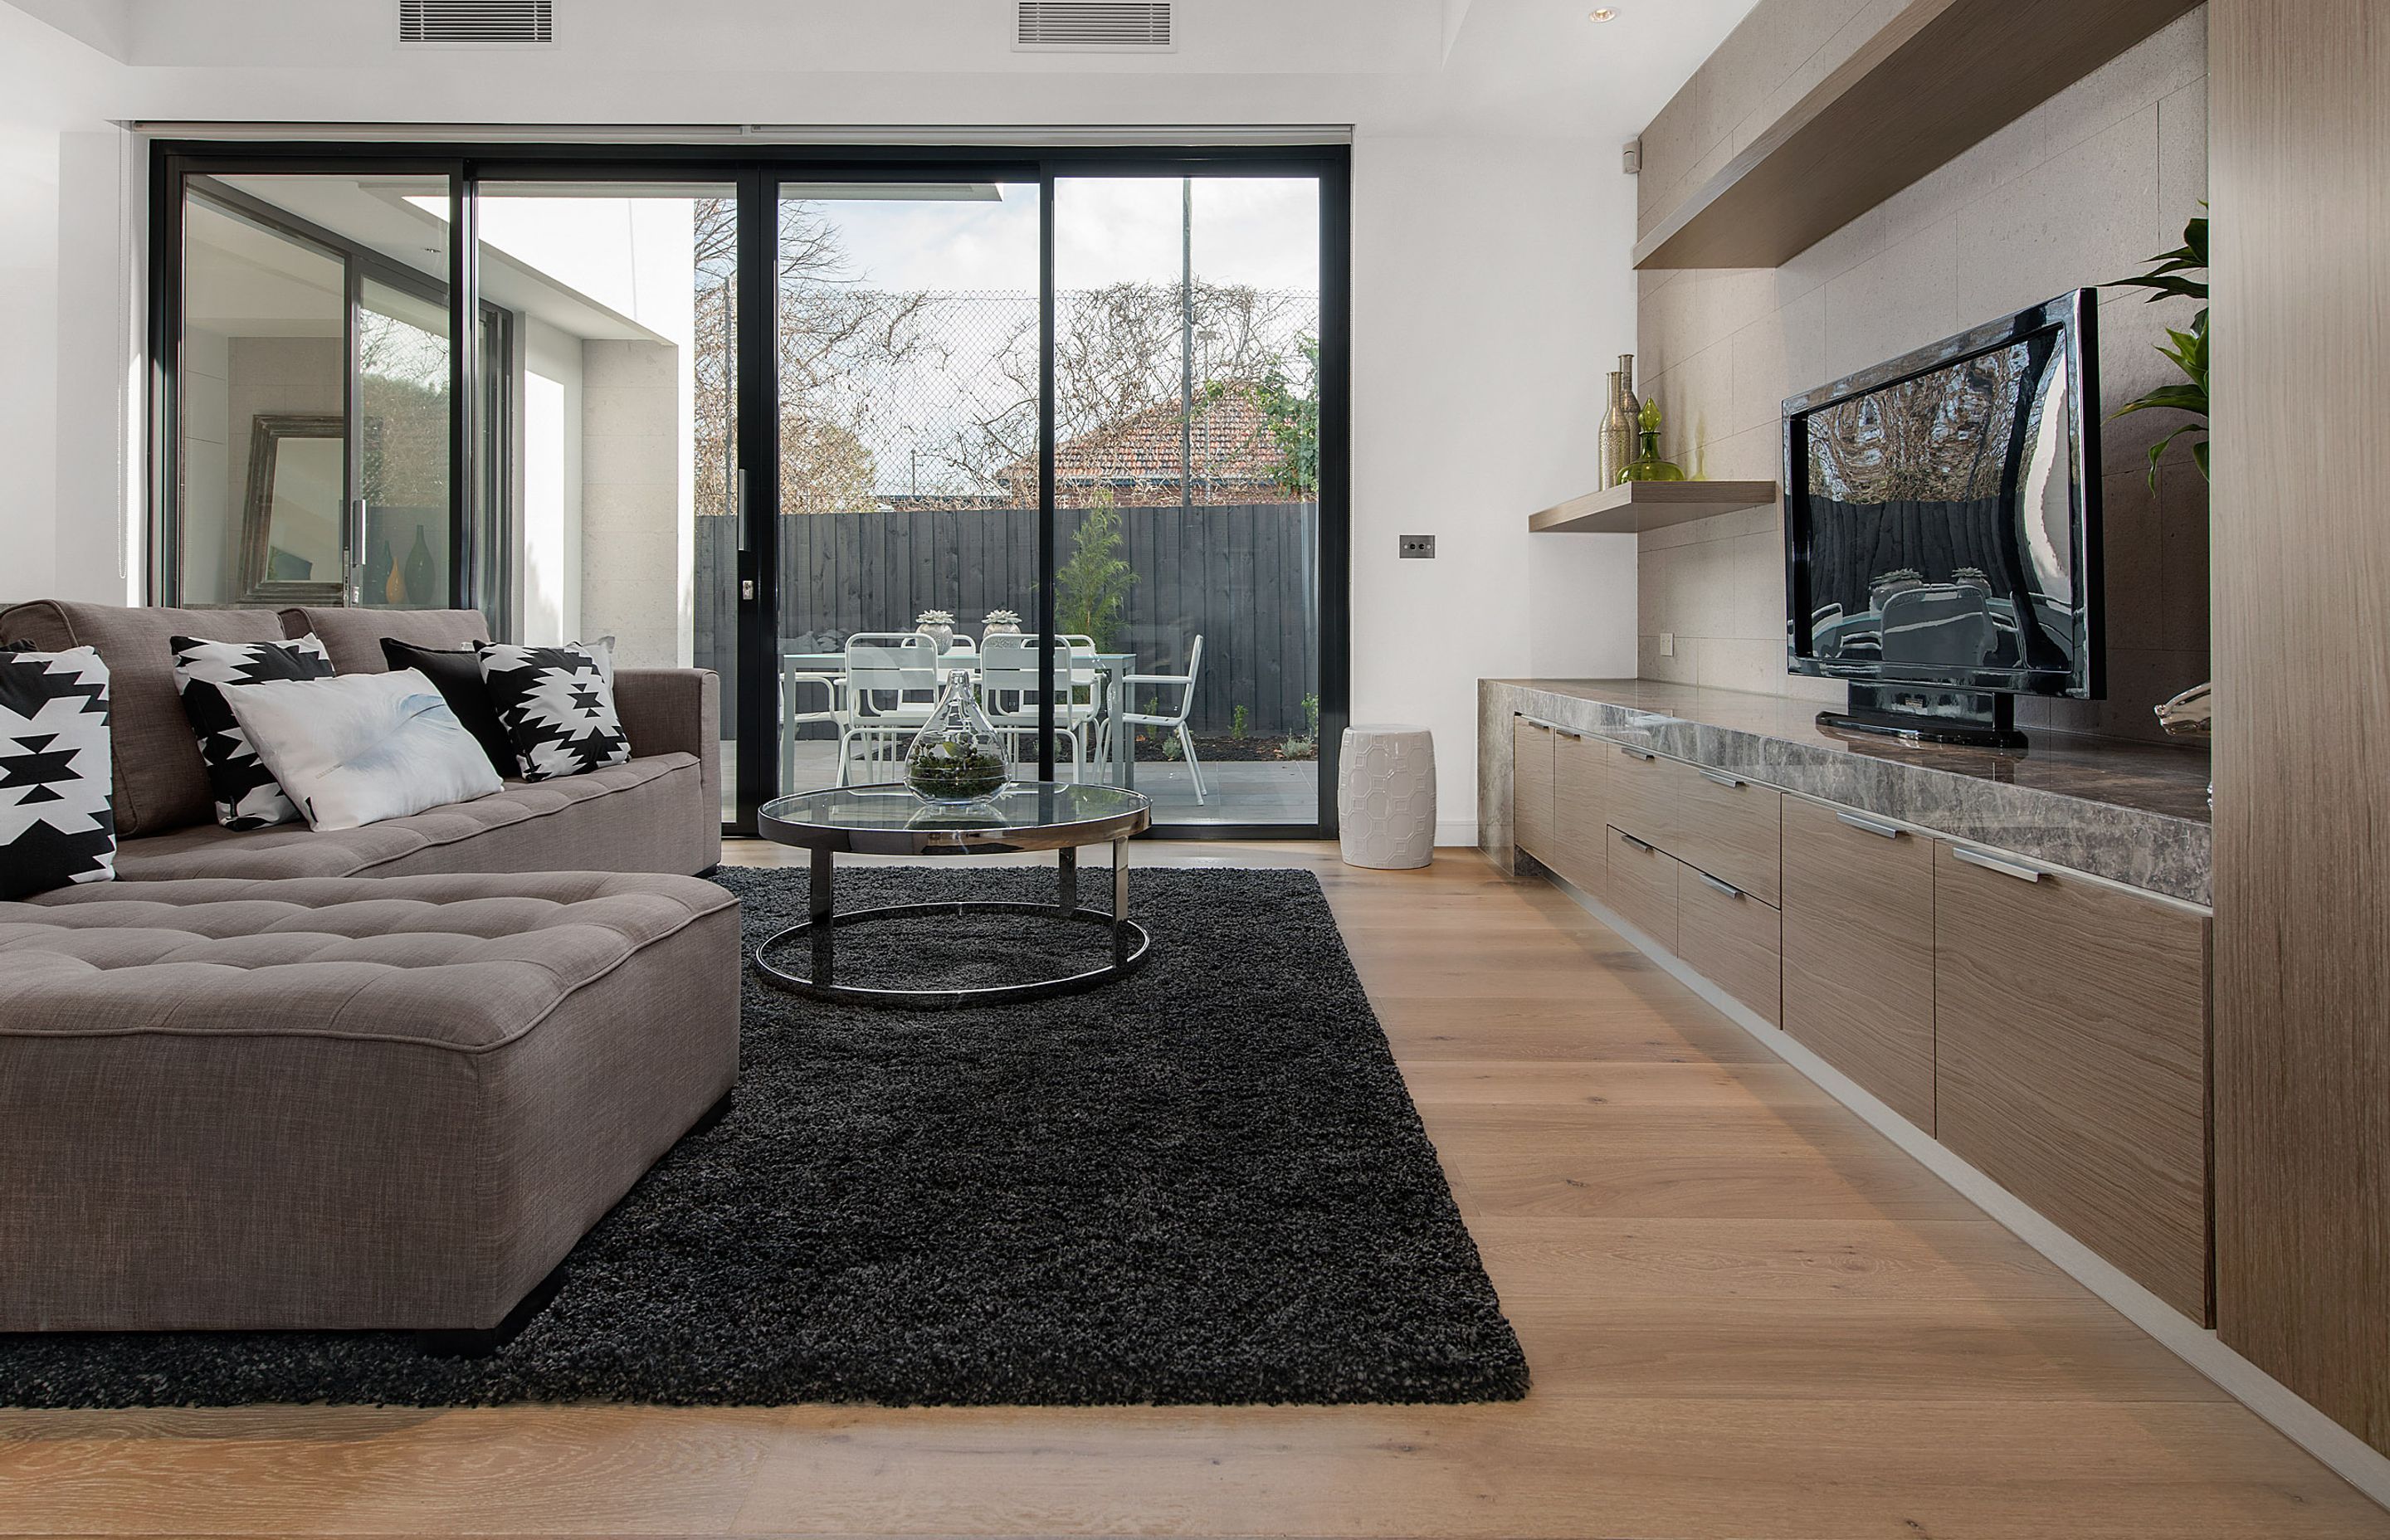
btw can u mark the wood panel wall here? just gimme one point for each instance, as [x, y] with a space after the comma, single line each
[2300, 178]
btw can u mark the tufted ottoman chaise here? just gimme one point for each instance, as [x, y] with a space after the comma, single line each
[342, 1102]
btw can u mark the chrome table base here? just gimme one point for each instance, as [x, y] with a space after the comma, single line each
[1131, 942]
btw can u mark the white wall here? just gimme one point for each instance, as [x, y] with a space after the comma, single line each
[1490, 286]
[548, 536]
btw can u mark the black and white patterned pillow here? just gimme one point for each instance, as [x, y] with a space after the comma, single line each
[246, 792]
[57, 797]
[558, 706]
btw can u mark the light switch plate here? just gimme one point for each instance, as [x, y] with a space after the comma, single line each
[1667, 644]
[1420, 548]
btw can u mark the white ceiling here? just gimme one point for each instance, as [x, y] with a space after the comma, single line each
[1536, 67]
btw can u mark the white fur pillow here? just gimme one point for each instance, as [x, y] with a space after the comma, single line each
[358, 747]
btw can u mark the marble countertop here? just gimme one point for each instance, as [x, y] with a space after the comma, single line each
[2135, 813]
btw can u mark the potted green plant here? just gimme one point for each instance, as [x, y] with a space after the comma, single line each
[2171, 275]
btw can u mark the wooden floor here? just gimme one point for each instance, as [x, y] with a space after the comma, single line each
[1747, 1315]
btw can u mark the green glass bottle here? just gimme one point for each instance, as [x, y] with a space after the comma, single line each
[1648, 465]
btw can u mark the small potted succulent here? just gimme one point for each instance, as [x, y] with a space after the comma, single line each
[1001, 623]
[937, 623]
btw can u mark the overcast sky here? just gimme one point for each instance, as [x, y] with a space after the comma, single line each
[1263, 231]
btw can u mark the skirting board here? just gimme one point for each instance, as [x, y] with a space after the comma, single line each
[2355, 1460]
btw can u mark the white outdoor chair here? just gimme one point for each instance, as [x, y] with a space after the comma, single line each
[1177, 722]
[892, 687]
[1010, 693]
[1085, 676]
[794, 682]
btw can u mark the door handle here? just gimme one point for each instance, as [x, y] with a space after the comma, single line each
[1994, 863]
[1726, 888]
[1642, 845]
[1644, 754]
[1720, 777]
[1859, 821]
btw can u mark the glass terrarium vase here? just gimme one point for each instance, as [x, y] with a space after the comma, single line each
[957, 756]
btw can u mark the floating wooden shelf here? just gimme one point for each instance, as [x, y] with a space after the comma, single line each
[1942, 76]
[1640, 506]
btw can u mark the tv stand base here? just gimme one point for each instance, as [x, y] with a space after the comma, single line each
[1923, 713]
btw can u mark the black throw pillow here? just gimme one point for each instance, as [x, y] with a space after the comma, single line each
[458, 678]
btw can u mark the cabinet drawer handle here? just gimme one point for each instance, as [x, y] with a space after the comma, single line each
[1870, 825]
[1534, 722]
[1721, 778]
[1638, 844]
[1570, 733]
[1994, 863]
[1637, 753]
[1726, 888]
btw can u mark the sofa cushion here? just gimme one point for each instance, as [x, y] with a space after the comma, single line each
[161, 783]
[353, 637]
[248, 793]
[457, 677]
[648, 815]
[56, 826]
[461, 962]
[558, 706]
[362, 749]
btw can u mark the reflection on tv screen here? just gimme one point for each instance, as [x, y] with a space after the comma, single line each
[1940, 510]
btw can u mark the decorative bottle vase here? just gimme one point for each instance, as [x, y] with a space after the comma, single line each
[419, 572]
[1648, 465]
[942, 634]
[956, 757]
[379, 565]
[1630, 411]
[1617, 433]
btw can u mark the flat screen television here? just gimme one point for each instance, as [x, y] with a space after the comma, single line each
[1941, 528]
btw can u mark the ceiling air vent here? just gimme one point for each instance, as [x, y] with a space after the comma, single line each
[477, 23]
[1092, 26]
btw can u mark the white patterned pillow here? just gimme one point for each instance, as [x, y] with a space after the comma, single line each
[246, 792]
[58, 801]
[360, 748]
[557, 704]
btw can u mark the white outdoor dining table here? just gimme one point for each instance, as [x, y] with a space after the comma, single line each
[1115, 668]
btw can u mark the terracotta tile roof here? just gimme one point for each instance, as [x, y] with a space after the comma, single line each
[1232, 451]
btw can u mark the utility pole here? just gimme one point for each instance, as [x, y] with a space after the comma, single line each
[1186, 342]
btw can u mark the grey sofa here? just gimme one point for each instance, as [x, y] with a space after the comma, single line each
[342, 1102]
[659, 813]
[383, 1078]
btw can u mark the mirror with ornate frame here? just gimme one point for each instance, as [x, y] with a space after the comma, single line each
[293, 548]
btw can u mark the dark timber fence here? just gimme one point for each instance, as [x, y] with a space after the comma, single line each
[1243, 576]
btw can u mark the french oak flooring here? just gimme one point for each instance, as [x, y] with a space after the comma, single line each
[1747, 1313]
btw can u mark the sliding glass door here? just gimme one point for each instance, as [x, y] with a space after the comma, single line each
[737, 408]
[1187, 480]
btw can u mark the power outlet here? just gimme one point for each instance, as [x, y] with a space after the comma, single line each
[1418, 547]
[1667, 644]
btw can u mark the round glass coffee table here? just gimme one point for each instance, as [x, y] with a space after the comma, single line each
[890, 820]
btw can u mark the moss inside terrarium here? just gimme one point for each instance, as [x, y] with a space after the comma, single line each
[953, 768]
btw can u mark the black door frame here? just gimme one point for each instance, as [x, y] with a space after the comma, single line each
[757, 171]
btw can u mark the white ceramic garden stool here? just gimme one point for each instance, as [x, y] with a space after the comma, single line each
[1385, 797]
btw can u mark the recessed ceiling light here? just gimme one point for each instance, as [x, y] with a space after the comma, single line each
[1604, 13]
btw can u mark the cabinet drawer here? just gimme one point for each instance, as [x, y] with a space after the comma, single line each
[1531, 786]
[1859, 951]
[1643, 887]
[1580, 810]
[1728, 936]
[2070, 1058]
[1729, 828]
[1643, 791]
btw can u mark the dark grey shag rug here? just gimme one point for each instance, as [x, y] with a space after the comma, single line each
[1203, 1185]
